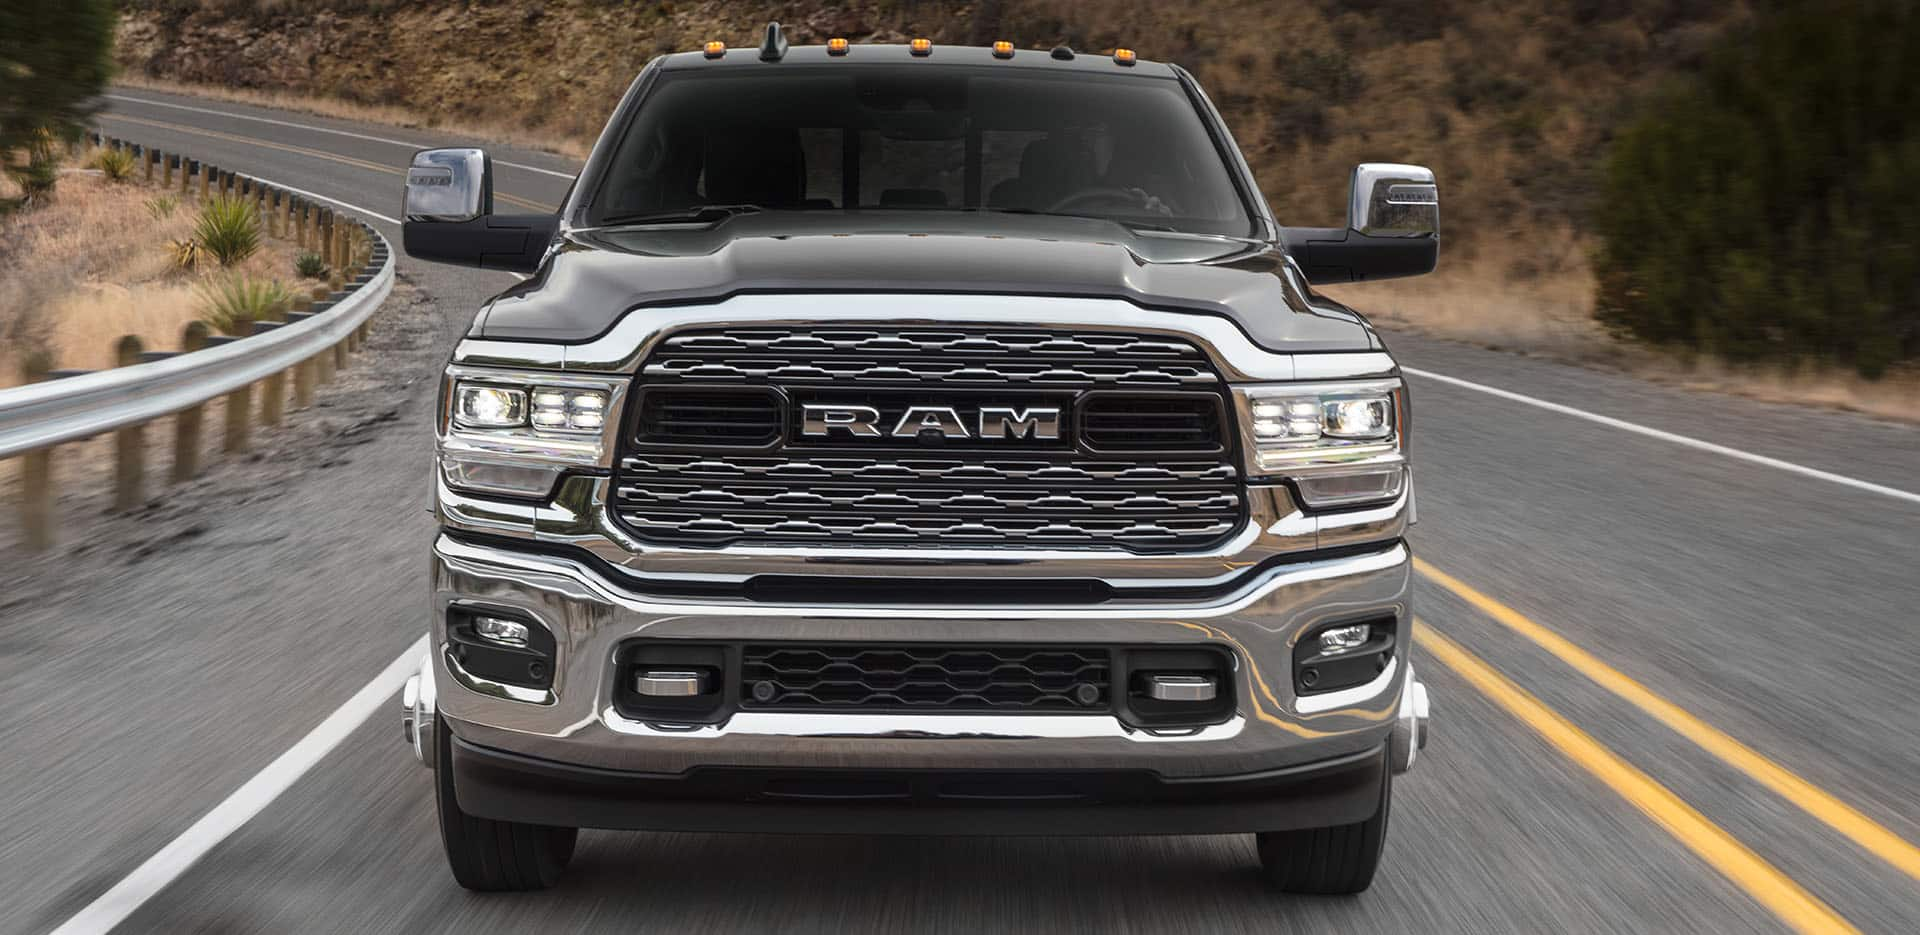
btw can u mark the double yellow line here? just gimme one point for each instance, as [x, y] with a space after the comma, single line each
[1765, 883]
[305, 151]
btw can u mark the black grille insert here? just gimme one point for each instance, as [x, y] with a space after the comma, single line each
[711, 416]
[1183, 422]
[925, 678]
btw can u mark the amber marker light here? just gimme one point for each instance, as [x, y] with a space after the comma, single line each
[1123, 56]
[716, 48]
[921, 47]
[1003, 49]
[837, 46]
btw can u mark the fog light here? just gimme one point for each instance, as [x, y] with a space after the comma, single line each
[503, 632]
[1166, 686]
[1344, 639]
[670, 683]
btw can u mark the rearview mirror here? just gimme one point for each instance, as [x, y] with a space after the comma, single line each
[1393, 228]
[448, 216]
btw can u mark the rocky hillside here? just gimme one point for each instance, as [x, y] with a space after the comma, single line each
[1512, 103]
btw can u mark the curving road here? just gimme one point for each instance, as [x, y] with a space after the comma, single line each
[1673, 685]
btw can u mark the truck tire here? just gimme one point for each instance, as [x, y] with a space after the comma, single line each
[1327, 861]
[490, 856]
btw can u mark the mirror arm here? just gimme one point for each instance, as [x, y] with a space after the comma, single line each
[1336, 255]
[513, 242]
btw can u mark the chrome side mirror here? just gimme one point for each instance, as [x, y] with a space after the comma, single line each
[1392, 200]
[449, 186]
[1393, 229]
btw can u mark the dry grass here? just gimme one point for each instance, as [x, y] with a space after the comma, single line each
[496, 131]
[93, 266]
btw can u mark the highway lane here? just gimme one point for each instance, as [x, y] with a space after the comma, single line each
[1770, 605]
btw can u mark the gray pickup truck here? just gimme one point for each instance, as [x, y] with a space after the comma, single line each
[915, 439]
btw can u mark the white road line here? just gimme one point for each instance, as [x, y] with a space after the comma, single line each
[1695, 443]
[166, 866]
[307, 126]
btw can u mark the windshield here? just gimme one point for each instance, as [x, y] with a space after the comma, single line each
[921, 137]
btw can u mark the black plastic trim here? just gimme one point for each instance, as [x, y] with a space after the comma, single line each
[506, 786]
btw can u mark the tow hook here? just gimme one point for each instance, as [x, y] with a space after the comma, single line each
[1411, 727]
[417, 701]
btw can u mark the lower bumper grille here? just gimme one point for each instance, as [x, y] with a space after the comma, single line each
[925, 678]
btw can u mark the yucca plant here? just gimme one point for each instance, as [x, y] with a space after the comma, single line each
[310, 265]
[186, 254]
[115, 163]
[229, 229]
[234, 302]
[162, 207]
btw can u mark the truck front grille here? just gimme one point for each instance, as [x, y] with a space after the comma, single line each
[924, 677]
[1139, 457]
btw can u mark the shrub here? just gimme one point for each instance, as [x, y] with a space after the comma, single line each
[310, 265]
[115, 163]
[55, 58]
[234, 302]
[1766, 209]
[229, 229]
[162, 207]
[36, 176]
[186, 254]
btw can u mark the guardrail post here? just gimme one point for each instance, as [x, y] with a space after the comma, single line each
[324, 231]
[150, 158]
[303, 384]
[239, 413]
[186, 423]
[206, 178]
[323, 367]
[273, 399]
[36, 474]
[239, 408]
[166, 170]
[130, 443]
[300, 237]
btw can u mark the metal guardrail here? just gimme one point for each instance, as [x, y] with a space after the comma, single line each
[40, 415]
[309, 345]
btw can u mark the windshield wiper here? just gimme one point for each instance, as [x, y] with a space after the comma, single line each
[704, 214]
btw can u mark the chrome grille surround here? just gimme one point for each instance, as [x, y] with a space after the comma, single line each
[974, 493]
[997, 358]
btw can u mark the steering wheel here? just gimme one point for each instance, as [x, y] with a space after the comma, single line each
[1109, 194]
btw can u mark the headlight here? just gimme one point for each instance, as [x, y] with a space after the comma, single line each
[514, 432]
[1340, 443]
[478, 406]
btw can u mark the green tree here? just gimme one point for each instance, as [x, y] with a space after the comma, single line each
[55, 56]
[1766, 208]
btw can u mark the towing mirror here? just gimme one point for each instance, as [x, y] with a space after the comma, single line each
[1393, 228]
[449, 186]
[448, 216]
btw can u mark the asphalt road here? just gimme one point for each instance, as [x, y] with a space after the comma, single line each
[159, 662]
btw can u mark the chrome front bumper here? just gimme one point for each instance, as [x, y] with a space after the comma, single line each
[590, 615]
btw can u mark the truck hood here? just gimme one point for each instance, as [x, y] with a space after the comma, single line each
[596, 277]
